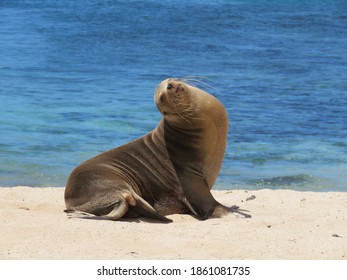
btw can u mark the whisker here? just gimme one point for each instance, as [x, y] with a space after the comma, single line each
[182, 116]
[187, 112]
[198, 81]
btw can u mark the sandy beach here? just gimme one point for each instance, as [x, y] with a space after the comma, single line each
[284, 225]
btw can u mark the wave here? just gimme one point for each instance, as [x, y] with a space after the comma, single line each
[297, 182]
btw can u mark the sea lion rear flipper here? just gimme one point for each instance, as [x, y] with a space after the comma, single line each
[198, 194]
[118, 209]
[143, 208]
[132, 201]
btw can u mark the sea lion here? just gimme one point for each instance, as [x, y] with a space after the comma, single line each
[171, 170]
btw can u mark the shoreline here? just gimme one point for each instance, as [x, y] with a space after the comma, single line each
[285, 225]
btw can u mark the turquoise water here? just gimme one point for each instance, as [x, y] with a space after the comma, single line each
[78, 77]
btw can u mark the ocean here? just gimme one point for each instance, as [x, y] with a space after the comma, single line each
[77, 78]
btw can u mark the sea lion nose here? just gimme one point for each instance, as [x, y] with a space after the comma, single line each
[162, 97]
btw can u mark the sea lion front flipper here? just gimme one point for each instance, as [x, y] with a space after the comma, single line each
[197, 194]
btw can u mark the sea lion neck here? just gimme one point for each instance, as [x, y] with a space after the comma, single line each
[184, 145]
[165, 130]
[185, 132]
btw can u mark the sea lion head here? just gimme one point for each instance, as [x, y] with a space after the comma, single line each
[180, 103]
[173, 100]
[185, 105]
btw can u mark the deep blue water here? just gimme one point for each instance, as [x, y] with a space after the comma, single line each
[78, 77]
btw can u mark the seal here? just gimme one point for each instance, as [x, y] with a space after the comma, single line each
[170, 170]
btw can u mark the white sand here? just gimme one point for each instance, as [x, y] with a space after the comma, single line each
[285, 225]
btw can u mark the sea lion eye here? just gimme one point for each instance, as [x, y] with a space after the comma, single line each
[169, 86]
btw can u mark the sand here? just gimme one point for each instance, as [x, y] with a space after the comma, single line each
[285, 225]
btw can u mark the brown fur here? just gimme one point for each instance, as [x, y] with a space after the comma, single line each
[170, 170]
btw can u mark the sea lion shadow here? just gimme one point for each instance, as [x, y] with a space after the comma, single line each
[231, 210]
[219, 211]
[144, 220]
[72, 214]
[234, 209]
